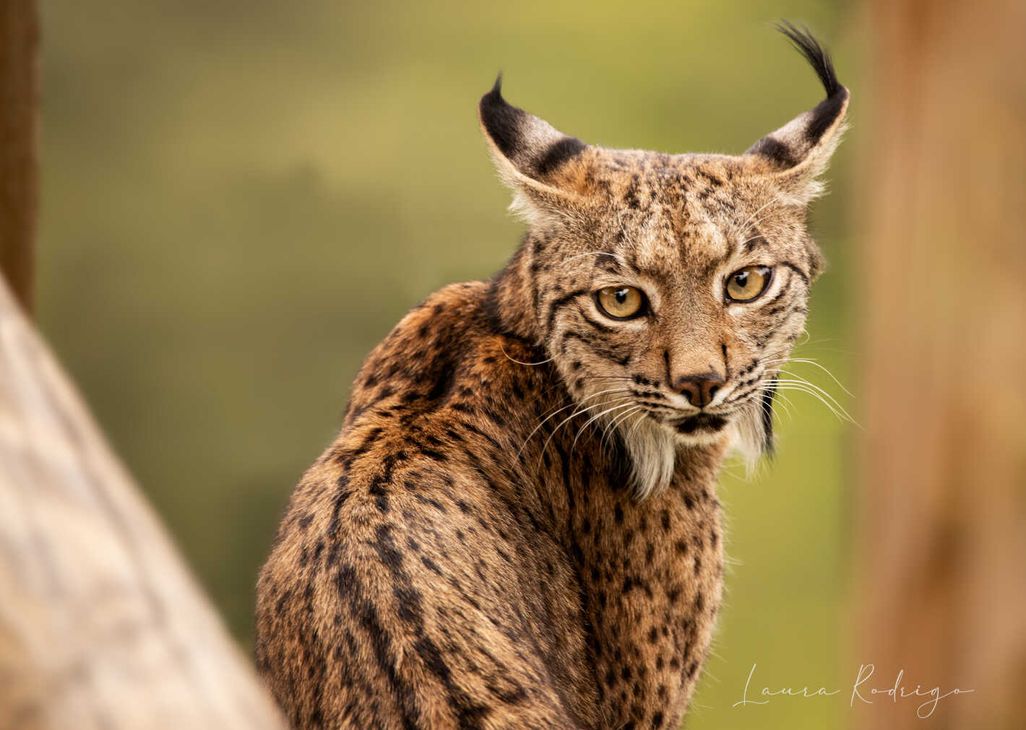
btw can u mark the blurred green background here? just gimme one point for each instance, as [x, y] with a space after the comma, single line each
[241, 198]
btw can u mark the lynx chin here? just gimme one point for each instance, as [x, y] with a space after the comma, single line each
[517, 526]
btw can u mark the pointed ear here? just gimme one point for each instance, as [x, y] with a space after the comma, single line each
[533, 158]
[800, 151]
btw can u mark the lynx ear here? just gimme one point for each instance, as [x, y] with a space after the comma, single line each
[533, 158]
[800, 151]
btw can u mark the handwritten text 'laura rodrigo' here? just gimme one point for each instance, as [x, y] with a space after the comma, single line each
[862, 690]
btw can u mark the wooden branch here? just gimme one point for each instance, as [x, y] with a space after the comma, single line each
[101, 626]
[19, 91]
[943, 507]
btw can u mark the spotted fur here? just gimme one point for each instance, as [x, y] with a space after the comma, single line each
[517, 526]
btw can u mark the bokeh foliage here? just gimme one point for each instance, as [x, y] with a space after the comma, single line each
[241, 198]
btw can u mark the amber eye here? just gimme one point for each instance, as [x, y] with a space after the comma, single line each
[620, 302]
[748, 283]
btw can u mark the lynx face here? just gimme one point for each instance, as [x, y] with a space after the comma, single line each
[668, 290]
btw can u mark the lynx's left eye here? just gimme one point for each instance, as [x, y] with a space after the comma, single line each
[747, 284]
[620, 302]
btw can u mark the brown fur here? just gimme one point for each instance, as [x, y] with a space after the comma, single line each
[517, 526]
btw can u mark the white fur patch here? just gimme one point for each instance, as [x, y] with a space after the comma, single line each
[748, 435]
[653, 452]
[653, 448]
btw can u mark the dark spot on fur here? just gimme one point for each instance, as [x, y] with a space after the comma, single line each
[557, 154]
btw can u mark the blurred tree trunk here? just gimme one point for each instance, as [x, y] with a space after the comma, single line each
[19, 71]
[101, 626]
[942, 536]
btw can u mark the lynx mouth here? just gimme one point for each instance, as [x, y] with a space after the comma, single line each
[701, 422]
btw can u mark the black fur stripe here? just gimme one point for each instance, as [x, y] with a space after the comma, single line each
[558, 153]
[766, 403]
[777, 151]
[364, 610]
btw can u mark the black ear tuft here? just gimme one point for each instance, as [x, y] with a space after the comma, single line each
[812, 136]
[827, 110]
[502, 121]
[766, 404]
[806, 44]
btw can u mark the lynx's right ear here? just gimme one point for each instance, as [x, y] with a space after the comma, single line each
[544, 167]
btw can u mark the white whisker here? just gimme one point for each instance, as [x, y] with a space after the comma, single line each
[808, 361]
[825, 398]
[796, 379]
[560, 410]
[594, 418]
[567, 420]
[521, 362]
[614, 422]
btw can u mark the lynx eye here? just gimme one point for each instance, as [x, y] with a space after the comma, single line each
[621, 302]
[747, 284]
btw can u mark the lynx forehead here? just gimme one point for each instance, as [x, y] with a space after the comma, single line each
[517, 526]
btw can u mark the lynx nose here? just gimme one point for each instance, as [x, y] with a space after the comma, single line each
[700, 388]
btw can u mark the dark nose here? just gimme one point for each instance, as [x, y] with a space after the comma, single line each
[699, 389]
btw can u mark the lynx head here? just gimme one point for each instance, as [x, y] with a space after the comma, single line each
[668, 290]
